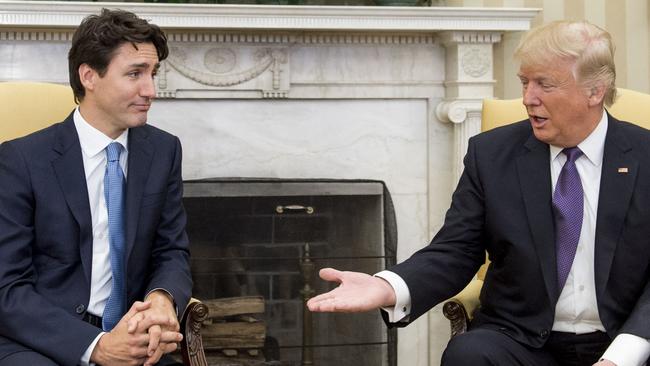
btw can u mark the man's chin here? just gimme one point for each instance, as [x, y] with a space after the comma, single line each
[543, 136]
[139, 121]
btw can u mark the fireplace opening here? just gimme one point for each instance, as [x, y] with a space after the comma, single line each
[266, 239]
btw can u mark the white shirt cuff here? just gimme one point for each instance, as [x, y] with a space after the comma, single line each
[628, 350]
[402, 308]
[85, 358]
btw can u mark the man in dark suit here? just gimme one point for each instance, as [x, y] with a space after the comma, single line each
[94, 261]
[561, 203]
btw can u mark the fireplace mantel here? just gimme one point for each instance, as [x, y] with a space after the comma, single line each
[54, 14]
[382, 93]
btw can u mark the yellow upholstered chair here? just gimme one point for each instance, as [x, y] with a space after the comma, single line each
[629, 106]
[26, 107]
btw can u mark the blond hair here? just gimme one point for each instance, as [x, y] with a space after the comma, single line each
[589, 46]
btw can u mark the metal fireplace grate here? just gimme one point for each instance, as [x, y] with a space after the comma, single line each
[268, 238]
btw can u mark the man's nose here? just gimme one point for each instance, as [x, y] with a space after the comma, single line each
[530, 95]
[148, 88]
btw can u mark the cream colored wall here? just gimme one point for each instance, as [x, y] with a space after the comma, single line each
[627, 20]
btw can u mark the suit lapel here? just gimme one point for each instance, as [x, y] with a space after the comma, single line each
[614, 198]
[140, 156]
[69, 171]
[534, 172]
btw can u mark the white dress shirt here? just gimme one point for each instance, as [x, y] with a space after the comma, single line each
[577, 309]
[93, 144]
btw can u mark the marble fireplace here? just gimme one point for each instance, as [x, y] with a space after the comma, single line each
[303, 92]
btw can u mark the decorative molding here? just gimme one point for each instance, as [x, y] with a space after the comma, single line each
[57, 14]
[35, 35]
[476, 62]
[220, 60]
[252, 37]
[456, 111]
[464, 37]
[279, 37]
[266, 58]
[275, 94]
[465, 114]
[260, 69]
[165, 94]
[462, 133]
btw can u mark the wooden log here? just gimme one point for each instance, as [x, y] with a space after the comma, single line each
[233, 335]
[240, 360]
[230, 306]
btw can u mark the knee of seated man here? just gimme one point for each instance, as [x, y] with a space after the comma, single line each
[465, 349]
[476, 347]
[30, 358]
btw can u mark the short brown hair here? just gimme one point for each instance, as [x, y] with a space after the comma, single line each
[589, 46]
[98, 36]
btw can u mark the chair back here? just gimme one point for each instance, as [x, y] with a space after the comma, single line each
[27, 106]
[630, 106]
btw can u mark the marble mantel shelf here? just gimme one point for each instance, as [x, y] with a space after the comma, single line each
[55, 14]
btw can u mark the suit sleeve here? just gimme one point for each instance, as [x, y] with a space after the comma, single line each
[441, 269]
[170, 256]
[26, 317]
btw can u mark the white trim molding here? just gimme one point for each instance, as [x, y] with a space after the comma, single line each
[55, 14]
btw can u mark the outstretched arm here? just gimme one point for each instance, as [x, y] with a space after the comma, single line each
[357, 292]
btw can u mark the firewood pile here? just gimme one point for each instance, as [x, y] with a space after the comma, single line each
[233, 335]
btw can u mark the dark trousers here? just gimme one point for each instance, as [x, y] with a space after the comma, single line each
[31, 358]
[486, 347]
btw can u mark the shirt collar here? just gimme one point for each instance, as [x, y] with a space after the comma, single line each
[593, 147]
[92, 140]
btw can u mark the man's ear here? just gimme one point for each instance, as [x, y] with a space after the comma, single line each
[88, 77]
[596, 95]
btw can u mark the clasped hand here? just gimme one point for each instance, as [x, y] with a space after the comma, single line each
[145, 333]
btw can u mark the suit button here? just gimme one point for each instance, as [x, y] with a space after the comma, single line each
[544, 333]
[80, 308]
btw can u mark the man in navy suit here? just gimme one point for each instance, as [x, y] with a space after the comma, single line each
[55, 272]
[511, 202]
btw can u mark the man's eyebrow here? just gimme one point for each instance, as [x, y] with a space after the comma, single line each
[141, 65]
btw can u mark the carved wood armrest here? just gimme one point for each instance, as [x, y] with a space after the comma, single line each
[460, 308]
[192, 344]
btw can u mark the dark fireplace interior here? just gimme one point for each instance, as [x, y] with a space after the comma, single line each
[269, 238]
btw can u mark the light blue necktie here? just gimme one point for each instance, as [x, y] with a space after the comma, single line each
[114, 194]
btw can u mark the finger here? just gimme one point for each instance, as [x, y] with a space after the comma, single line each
[175, 325]
[170, 347]
[318, 303]
[141, 342]
[138, 351]
[141, 305]
[132, 324]
[154, 339]
[170, 337]
[155, 357]
[326, 305]
[331, 274]
[137, 307]
[150, 320]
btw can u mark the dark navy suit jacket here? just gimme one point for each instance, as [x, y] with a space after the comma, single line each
[502, 205]
[46, 236]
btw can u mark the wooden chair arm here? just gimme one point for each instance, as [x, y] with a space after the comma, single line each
[460, 308]
[192, 351]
